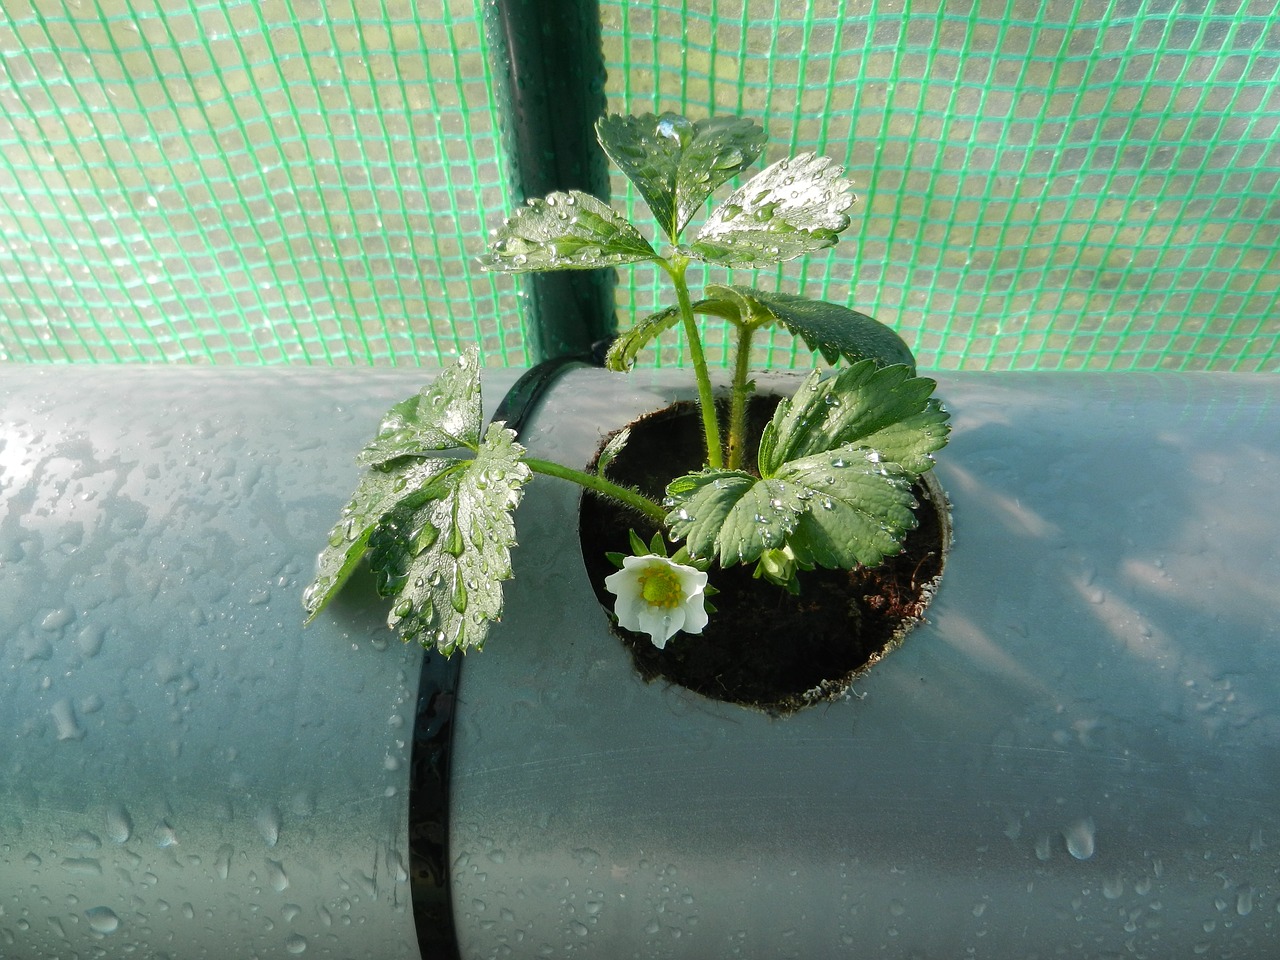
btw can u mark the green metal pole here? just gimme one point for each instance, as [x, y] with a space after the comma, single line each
[549, 71]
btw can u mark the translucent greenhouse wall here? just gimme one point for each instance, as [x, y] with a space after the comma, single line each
[1078, 185]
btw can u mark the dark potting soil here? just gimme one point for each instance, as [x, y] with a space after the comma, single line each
[764, 647]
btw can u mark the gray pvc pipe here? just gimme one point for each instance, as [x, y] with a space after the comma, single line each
[184, 771]
[1078, 756]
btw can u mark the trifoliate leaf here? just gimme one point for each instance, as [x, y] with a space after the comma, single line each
[676, 162]
[859, 508]
[445, 414]
[732, 514]
[885, 409]
[835, 509]
[442, 561]
[794, 207]
[565, 231]
[405, 484]
[836, 332]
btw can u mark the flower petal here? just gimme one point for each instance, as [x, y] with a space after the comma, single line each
[660, 620]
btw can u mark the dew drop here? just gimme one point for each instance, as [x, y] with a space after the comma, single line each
[102, 920]
[296, 943]
[1080, 839]
[1244, 901]
[165, 835]
[89, 640]
[268, 823]
[85, 866]
[679, 129]
[728, 159]
[65, 722]
[1043, 846]
[222, 861]
[276, 876]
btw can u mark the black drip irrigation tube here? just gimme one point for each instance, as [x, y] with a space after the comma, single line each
[433, 727]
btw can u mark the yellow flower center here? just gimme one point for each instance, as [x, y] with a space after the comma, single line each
[660, 587]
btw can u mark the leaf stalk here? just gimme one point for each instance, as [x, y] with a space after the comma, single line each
[741, 391]
[676, 267]
[599, 484]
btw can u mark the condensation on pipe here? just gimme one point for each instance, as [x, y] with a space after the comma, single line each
[186, 772]
[1076, 756]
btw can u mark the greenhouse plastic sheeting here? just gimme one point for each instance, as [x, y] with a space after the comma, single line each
[1083, 185]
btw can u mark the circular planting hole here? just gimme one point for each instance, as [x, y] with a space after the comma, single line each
[764, 647]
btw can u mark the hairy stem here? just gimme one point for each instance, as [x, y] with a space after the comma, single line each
[600, 485]
[741, 391]
[706, 401]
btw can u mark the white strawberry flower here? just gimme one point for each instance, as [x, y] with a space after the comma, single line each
[659, 597]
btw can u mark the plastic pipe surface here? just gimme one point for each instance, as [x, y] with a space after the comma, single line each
[1077, 756]
[185, 772]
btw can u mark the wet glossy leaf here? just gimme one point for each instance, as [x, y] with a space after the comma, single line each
[859, 508]
[565, 231]
[835, 509]
[405, 484]
[793, 207]
[884, 409]
[676, 162]
[445, 414]
[834, 331]
[731, 514]
[442, 560]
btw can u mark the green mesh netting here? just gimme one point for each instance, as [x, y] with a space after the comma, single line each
[1062, 185]
[247, 182]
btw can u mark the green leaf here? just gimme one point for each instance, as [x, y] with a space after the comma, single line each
[794, 207]
[444, 414]
[860, 509]
[443, 560]
[628, 344]
[565, 231]
[611, 450]
[885, 409]
[675, 162]
[835, 509]
[405, 484]
[732, 514]
[828, 328]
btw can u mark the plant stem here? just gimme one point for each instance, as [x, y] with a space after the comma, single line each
[741, 390]
[676, 267]
[600, 485]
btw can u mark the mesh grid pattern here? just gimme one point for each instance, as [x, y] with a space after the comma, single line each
[1077, 184]
[1082, 185]
[247, 181]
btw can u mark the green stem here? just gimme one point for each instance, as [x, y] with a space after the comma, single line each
[741, 390]
[600, 485]
[706, 400]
